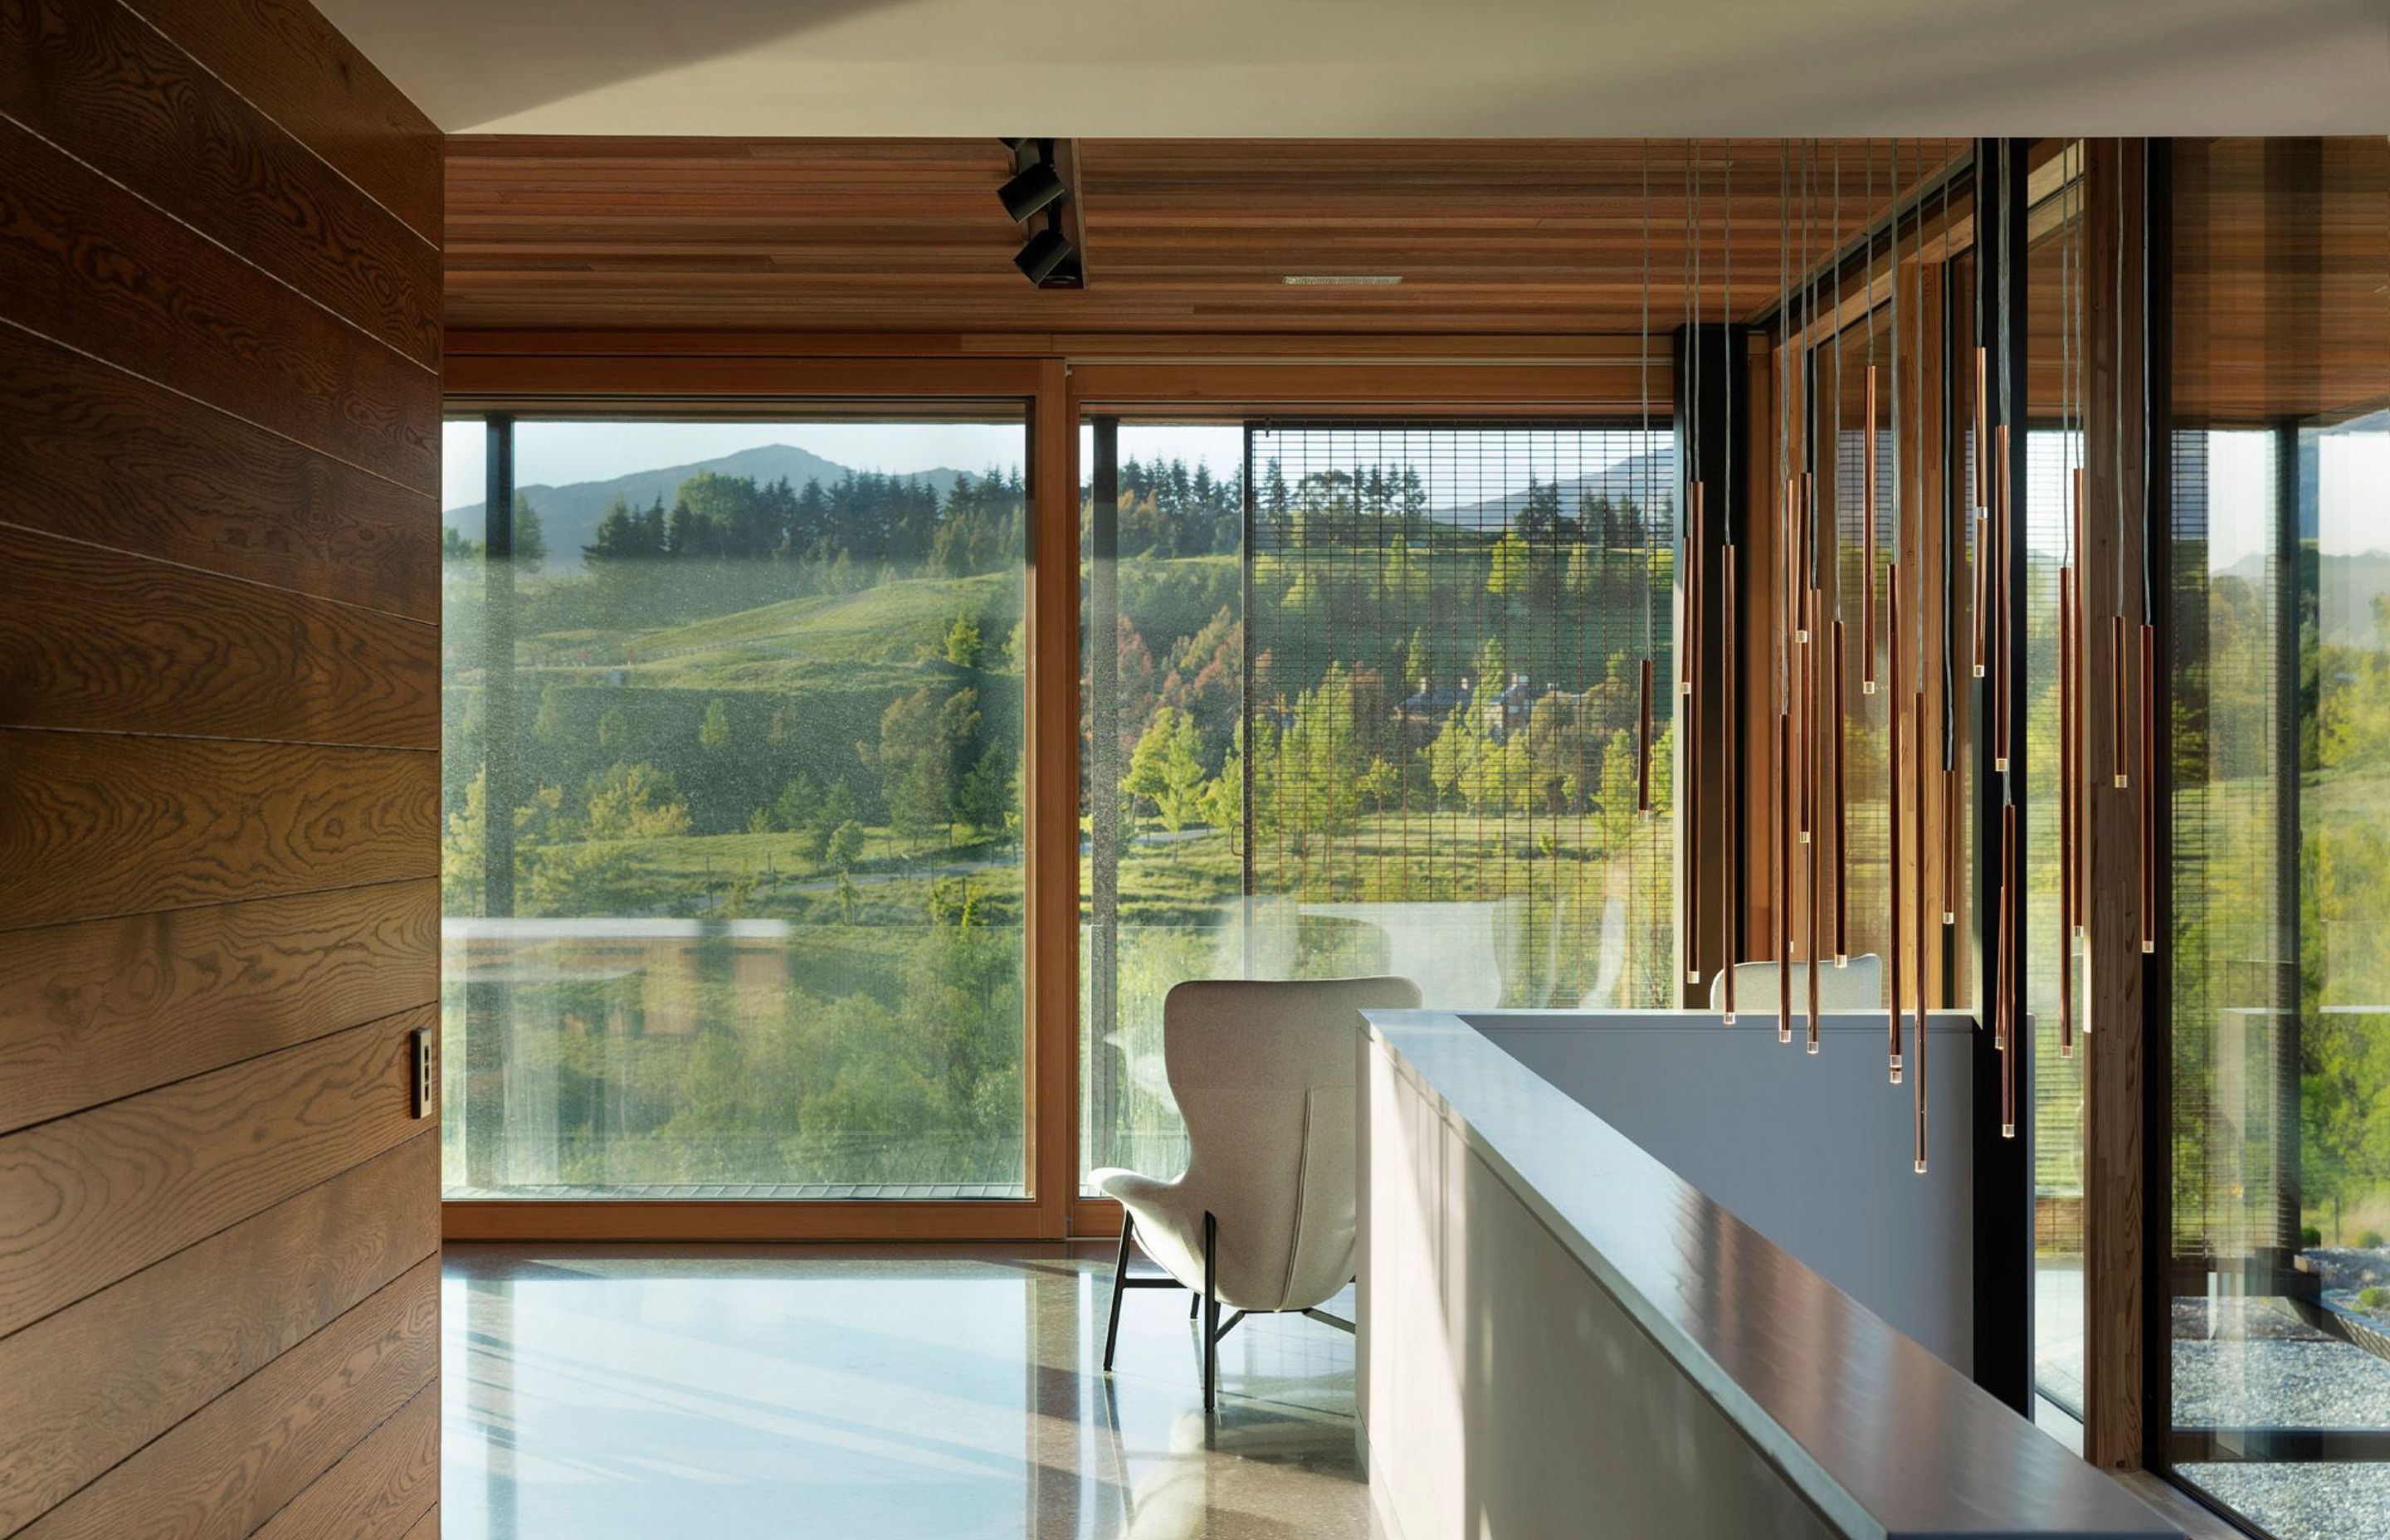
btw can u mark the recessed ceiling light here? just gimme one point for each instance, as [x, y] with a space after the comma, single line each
[1342, 281]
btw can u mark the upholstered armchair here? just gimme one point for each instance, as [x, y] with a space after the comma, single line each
[1262, 1220]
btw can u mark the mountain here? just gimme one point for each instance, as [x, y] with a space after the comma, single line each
[1627, 480]
[568, 514]
[2350, 587]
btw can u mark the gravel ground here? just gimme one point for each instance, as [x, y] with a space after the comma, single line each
[2262, 1368]
[2341, 1501]
[2251, 1362]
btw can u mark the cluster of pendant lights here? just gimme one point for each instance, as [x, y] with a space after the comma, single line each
[1813, 729]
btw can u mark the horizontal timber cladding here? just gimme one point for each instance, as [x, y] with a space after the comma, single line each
[220, 349]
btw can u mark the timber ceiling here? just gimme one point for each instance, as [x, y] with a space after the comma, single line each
[1489, 237]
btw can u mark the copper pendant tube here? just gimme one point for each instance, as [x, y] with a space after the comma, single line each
[1689, 664]
[2123, 745]
[1805, 520]
[1998, 583]
[1983, 603]
[1688, 661]
[2074, 777]
[1812, 640]
[1982, 433]
[1813, 786]
[1643, 745]
[1953, 855]
[1917, 1045]
[2148, 791]
[1893, 800]
[1982, 502]
[1841, 813]
[2068, 852]
[1867, 558]
[1784, 877]
[1730, 887]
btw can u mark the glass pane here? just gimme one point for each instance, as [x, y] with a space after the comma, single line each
[750, 697]
[2281, 992]
[1396, 723]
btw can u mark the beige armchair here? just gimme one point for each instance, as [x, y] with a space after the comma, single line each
[1262, 1220]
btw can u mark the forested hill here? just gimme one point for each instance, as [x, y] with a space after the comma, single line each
[568, 514]
[1626, 480]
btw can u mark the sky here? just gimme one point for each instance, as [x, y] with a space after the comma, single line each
[557, 453]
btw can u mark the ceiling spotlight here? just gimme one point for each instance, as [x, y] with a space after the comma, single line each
[1031, 190]
[1045, 251]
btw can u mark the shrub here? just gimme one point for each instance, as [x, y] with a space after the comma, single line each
[2372, 1299]
[2370, 1240]
[2309, 1237]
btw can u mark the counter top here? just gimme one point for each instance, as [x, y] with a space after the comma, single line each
[1885, 1438]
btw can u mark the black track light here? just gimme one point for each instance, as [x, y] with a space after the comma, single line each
[1044, 251]
[1031, 190]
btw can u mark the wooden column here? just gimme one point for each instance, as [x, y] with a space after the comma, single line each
[2114, 1068]
[1051, 1084]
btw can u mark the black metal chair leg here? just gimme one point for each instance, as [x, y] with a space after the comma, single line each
[1194, 1305]
[1120, 1286]
[1211, 1311]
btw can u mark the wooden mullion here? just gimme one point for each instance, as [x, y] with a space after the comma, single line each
[1052, 1079]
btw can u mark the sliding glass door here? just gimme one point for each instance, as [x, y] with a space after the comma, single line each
[733, 854]
[1362, 699]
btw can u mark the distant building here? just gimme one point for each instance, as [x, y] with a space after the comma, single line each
[1419, 717]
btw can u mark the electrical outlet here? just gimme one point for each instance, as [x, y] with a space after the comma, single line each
[424, 1083]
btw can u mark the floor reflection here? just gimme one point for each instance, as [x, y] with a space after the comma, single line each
[833, 1391]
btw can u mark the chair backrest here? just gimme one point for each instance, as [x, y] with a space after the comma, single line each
[1855, 986]
[1264, 1075]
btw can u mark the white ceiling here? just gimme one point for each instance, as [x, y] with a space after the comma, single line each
[1385, 67]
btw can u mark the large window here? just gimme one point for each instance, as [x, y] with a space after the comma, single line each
[2278, 973]
[1363, 700]
[2059, 299]
[732, 866]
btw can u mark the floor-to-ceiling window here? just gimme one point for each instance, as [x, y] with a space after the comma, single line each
[733, 845]
[2054, 955]
[1365, 699]
[2278, 971]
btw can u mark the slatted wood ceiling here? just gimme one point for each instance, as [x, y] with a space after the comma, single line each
[219, 343]
[1533, 237]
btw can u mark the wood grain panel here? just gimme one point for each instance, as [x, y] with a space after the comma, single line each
[87, 263]
[91, 73]
[95, 1382]
[427, 1527]
[379, 1490]
[98, 640]
[87, 1199]
[228, 1467]
[283, 56]
[102, 1009]
[94, 824]
[100, 454]
[220, 332]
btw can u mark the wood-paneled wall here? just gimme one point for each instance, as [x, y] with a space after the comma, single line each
[220, 332]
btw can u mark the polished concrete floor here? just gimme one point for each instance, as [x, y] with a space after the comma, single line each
[730, 1393]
